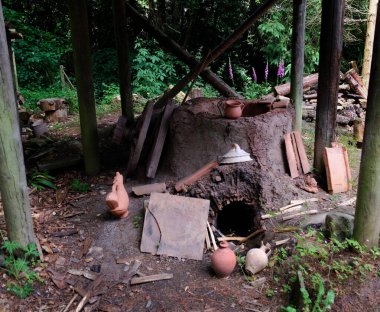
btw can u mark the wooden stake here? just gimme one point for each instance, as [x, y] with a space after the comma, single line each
[70, 303]
[212, 236]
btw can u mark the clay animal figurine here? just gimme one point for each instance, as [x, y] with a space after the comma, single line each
[257, 259]
[117, 200]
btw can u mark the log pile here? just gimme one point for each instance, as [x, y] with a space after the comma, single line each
[352, 100]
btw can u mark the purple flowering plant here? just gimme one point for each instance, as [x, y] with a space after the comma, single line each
[254, 76]
[230, 71]
[281, 69]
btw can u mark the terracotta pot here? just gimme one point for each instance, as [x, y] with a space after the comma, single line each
[257, 259]
[118, 200]
[223, 260]
[233, 109]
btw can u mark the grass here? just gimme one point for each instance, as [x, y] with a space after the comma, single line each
[326, 266]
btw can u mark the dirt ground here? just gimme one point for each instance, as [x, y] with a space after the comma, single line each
[98, 241]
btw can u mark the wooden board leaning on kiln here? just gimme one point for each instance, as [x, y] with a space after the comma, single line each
[337, 169]
[175, 226]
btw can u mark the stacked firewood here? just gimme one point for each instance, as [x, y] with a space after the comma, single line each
[351, 104]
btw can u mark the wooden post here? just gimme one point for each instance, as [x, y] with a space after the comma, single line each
[173, 47]
[122, 44]
[13, 186]
[331, 43]
[62, 75]
[298, 50]
[85, 89]
[368, 48]
[367, 214]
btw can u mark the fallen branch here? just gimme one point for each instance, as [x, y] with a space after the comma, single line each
[252, 235]
[89, 292]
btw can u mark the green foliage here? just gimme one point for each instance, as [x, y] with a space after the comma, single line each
[19, 261]
[41, 179]
[32, 96]
[253, 90]
[38, 54]
[269, 293]
[137, 221]
[154, 69]
[109, 93]
[81, 187]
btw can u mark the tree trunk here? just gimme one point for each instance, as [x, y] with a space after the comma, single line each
[368, 48]
[13, 186]
[367, 214]
[85, 89]
[173, 47]
[122, 43]
[298, 50]
[331, 43]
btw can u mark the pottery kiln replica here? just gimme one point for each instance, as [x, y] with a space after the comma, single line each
[239, 192]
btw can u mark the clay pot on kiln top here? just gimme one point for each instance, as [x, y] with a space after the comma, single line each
[223, 260]
[233, 109]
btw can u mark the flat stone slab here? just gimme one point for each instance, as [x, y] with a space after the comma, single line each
[175, 226]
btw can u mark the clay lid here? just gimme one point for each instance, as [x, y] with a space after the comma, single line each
[235, 155]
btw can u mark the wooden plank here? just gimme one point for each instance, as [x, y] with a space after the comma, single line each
[301, 152]
[151, 278]
[179, 186]
[155, 154]
[149, 188]
[295, 150]
[291, 156]
[337, 169]
[137, 149]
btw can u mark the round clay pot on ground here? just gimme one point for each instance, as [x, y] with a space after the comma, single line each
[223, 260]
[257, 259]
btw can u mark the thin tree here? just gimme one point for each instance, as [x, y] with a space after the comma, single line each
[368, 48]
[298, 50]
[367, 214]
[85, 88]
[122, 44]
[13, 186]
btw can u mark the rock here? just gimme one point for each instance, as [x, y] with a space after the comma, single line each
[339, 225]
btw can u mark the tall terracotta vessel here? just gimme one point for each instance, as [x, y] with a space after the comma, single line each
[223, 260]
[117, 200]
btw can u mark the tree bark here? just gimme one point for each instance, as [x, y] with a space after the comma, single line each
[122, 44]
[85, 89]
[331, 43]
[367, 214]
[13, 186]
[368, 48]
[298, 50]
[170, 45]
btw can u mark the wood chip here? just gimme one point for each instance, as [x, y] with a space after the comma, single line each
[314, 211]
[151, 278]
